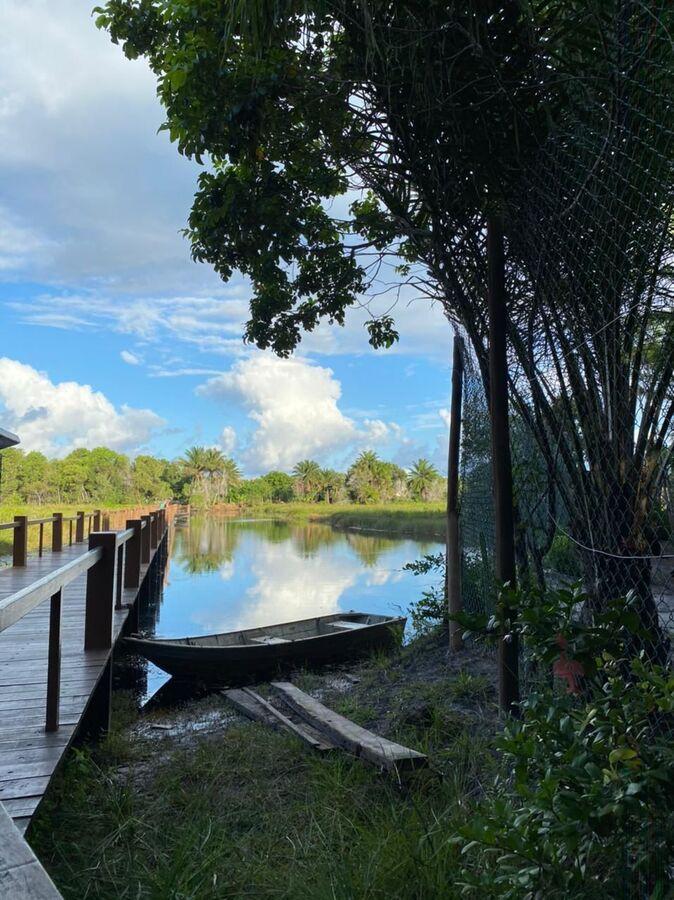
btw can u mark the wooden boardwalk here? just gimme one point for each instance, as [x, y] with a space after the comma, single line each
[29, 755]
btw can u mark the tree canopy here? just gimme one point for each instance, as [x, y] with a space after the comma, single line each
[203, 476]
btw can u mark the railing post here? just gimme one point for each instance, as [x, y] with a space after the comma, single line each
[54, 664]
[106, 523]
[20, 548]
[145, 541]
[132, 563]
[57, 533]
[79, 528]
[120, 569]
[100, 597]
[97, 520]
[154, 530]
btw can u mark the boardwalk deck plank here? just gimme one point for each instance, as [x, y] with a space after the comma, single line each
[29, 756]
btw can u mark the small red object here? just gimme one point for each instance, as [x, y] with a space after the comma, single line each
[569, 669]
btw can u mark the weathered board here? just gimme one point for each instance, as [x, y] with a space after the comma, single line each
[21, 875]
[347, 734]
[257, 708]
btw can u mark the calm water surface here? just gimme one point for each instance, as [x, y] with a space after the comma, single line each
[227, 574]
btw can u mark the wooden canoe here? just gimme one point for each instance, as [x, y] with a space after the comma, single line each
[240, 656]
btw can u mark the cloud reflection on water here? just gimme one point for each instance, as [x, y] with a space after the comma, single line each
[231, 574]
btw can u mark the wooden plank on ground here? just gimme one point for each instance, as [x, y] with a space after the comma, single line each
[347, 734]
[255, 707]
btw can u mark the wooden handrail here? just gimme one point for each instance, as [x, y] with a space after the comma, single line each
[112, 562]
[40, 521]
[5, 525]
[17, 605]
[124, 536]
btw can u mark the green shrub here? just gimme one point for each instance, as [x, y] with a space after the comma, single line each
[563, 556]
[585, 807]
[431, 609]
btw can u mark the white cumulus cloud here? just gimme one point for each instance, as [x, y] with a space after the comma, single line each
[294, 404]
[57, 418]
[130, 358]
[228, 439]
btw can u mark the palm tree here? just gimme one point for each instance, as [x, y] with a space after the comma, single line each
[231, 476]
[421, 477]
[365, 477]
[331, 483]
[195, 463]
[307, 475]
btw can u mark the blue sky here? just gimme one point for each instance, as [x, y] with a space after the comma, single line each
[112, 335]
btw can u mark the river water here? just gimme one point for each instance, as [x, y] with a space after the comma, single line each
[226, 574]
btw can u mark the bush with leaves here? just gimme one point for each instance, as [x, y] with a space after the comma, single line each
[431, 609]
[585, 805]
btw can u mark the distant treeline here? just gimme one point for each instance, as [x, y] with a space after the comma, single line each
[204, 477]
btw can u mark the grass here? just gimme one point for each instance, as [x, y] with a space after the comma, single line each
[410, 519]
[249, 812]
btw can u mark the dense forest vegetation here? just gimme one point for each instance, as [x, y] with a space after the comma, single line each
[205, 476]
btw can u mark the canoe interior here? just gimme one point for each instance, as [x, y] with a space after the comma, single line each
[317, 626]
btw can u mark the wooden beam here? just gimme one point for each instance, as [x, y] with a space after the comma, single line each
[54, 664]
[100, 599]
[20, 545]
[345, 733]
[258, 709]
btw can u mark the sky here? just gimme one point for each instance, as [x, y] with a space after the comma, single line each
[112, 336]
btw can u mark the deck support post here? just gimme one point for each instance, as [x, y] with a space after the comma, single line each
[132, 564]
[101, 592]
[154, 530]
[54, 663]
[100, 705]
[57, 533]
[20, 545]
[145, 547]
[96, 524]
[121, 552]
[79, 528]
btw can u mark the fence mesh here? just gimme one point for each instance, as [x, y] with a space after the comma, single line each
[590, 259]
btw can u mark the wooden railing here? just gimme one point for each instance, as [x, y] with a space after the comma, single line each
[67, 530]
[113, 561]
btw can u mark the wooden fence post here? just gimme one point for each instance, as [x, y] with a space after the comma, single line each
[121, 552]
[97, 520]
[453, 563]
[100, 597]
[79, 528]
[132, 564]
[504, 526]
[54, 664]
[57, 533]
[145, 543]
[154, 530]
[20, 546]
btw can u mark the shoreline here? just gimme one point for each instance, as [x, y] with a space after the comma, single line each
[233, 797]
